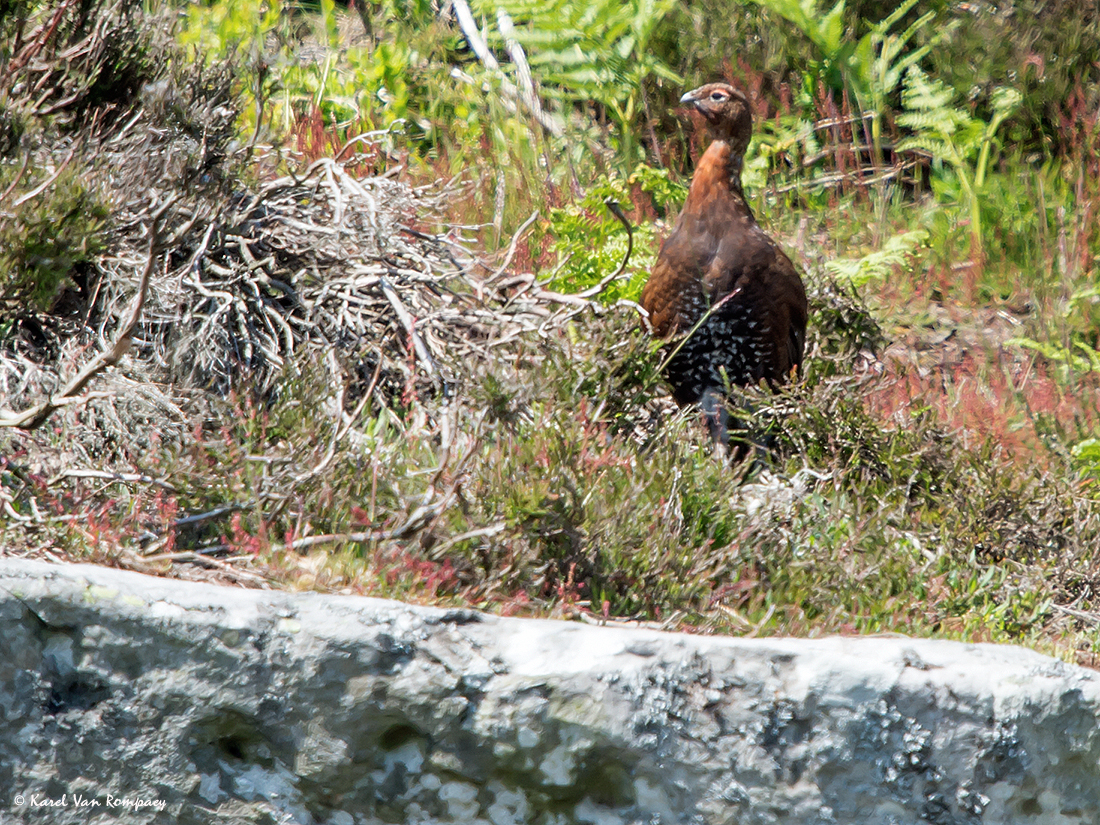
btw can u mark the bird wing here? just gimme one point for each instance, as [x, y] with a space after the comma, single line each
[752, 270]
[673, 296]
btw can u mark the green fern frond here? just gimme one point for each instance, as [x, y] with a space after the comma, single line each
[899, 251]
[924, 94]
[943, 121]
[924, 142]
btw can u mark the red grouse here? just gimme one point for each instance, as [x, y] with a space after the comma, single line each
[720, 281]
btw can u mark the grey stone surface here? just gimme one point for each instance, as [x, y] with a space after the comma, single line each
[215, 705]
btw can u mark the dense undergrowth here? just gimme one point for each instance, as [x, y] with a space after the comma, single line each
[281, 422]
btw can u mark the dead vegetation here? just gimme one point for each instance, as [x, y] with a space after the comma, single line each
[214, 279]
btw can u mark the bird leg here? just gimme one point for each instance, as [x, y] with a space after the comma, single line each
[733, 436]
[716, 416]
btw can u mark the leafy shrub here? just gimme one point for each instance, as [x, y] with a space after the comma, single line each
[590, 242]
[47, 241]
[95, 56]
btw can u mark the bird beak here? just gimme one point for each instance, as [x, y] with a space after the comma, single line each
[689, 97]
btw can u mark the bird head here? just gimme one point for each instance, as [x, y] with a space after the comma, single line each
[727, 112]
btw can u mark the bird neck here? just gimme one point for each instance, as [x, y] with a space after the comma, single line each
[719, 168]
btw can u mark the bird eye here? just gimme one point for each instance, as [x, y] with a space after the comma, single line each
[717, 96]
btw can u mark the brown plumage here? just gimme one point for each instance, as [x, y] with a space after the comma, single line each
[718, 259]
